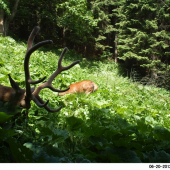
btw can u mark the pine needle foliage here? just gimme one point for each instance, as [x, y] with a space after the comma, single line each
[143, 32]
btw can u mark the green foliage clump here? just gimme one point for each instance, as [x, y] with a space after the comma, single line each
[4, 4]
[78, 19]
[121, 122]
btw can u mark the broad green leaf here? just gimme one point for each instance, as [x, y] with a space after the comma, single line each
[20, 153]
[4, 117]
[4, 133]
[75, 124]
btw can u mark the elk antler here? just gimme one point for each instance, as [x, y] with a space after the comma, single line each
[35, 95]
[48, 84]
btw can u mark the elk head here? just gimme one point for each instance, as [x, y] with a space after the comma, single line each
[23, 97]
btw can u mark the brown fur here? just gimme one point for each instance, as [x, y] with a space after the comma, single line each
[85, 86]
[16, 97]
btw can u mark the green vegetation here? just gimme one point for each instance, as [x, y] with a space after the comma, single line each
[136, 32]
[121, 122]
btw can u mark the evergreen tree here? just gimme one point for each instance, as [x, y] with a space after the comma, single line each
[144, 32]
[104, 36]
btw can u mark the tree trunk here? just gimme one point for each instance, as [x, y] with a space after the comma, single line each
[1, 22]
[8, 19]
[64, 37]
[154, 74]
[116, 53]
[85, 49]
[116, 48]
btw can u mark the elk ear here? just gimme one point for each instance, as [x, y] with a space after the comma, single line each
[14, 85]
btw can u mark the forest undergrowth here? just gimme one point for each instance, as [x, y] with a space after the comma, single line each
[122, 122]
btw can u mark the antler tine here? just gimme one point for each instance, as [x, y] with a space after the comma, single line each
[60, 60]
[38, 103]
[28, 79]
[46, 107]
[26, 61]
[32, 36]
[59, 70]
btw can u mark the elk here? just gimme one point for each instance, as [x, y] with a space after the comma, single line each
[23, 97]
[85, 86]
